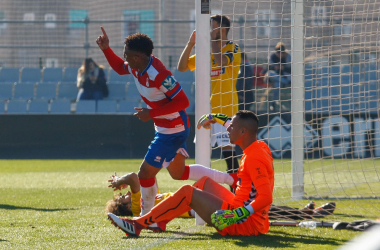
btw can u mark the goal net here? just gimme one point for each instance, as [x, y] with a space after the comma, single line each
[320, 119]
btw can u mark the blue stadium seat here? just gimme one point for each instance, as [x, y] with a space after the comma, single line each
[117, 90]
[60, 107]
[6, 90]
[188, 88]
[308, 106]
[11, 75]
[46, 91]
[335, 69]
[17, 106]
[191, 108]
[106, 106]
[116, 78]
[52, 75]
[127, 106]
[132, 92]
[86, 107]
[23, 91]
[38, 107]
[70, 74]
[187, 76]
[67, 91]
[2, 107]
[30, 75]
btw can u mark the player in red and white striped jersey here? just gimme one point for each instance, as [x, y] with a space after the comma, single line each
[166, 104]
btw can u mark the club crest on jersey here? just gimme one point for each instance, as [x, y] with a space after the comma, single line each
[169, 83]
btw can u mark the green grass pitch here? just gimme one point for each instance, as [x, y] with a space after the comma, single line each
[59, 204]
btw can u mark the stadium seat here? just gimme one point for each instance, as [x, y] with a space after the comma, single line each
[6, 91]
[127, 106]
[70, 74]
[10, 75]
[60, 107]
[52, 75]
[86, 107]
[106, 106]
[67, 91]
[132, 92]
[46, 91]
[188, 88]
[30, 75]
[116, 78]
[117, 91]
[38, 107]
[24, 91]
[187, 76]
[16, 107]
[2, 107]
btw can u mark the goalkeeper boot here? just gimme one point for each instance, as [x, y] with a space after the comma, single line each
[129, 227]
[158, 227]
[308, 210]
[324, 210]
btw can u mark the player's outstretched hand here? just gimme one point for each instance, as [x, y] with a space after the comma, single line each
[224, 218]
[103, 41]
[143, 114]
[206, 120]
[115, 183]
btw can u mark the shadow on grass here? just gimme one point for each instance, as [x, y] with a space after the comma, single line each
[2, 240]
[12, 207]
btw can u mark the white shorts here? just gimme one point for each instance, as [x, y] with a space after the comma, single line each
[219, 136]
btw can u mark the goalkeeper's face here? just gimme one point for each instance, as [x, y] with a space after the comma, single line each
[234, 131]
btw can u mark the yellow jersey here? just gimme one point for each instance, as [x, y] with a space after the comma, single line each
[224, 97]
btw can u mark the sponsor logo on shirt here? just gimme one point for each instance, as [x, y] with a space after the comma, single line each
[169, 83]
[218, 72]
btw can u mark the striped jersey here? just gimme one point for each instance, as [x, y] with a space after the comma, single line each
[157, 87]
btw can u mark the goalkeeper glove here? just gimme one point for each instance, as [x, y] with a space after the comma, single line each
[224, 218]
[206, 120]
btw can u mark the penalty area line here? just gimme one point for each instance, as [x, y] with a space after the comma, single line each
[174, 237]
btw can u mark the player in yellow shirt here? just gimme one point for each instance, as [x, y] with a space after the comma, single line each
[226, 61]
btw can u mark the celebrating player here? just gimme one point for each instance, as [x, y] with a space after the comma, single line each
[246, 212]
[225, 59]
[166, 103]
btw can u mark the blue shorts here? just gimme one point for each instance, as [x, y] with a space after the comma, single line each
[164, 147]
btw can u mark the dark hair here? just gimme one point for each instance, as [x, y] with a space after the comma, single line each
[139, 42]
[86, 63]
[280, 47]
[222, 20]
[117, 208]
[249, 118]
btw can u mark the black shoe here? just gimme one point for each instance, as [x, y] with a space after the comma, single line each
[324, 210]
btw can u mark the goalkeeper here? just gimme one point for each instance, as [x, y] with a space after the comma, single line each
[242, 213]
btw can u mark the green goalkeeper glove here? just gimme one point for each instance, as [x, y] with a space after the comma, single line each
[206, 120]
[225, 218]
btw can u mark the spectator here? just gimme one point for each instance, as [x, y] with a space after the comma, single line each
[91, 81]
[279, 72]
[244, 84]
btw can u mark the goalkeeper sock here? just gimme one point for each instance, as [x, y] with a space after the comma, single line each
[231, 160]
[170, 208]
[148, 189]
[198, 171]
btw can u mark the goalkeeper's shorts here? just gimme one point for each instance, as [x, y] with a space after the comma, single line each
[250, 227]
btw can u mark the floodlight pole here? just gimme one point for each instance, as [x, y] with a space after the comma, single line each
[297, 99]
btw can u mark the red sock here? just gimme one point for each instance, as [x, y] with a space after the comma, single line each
[185, 175]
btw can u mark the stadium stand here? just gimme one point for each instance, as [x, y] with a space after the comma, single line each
[67, 91]
[117, 91]
[6, 91]
[38, 107]
[70, 74]
[116, 78]
[106, 106]
[60, 107]
[30, 75]
[17, 106]
[86, 107]
[24, 91]
[46, 91]
[132, 92]
[187, 76]
[10, 75]
[127, 106]
[2, 107]
[52, 75]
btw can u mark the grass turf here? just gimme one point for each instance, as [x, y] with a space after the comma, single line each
[60, 204]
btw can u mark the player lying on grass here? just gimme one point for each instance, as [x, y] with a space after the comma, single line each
[129, 203]
[242, 213]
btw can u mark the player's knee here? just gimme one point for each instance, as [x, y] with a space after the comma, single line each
[186, 189]
[175, 175]
[201, 182]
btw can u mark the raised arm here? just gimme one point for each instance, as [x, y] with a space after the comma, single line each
[183, 59]
[130, 179]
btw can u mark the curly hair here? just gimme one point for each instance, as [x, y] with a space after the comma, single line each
[116, 207]
[222, 20]
[139, 42]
